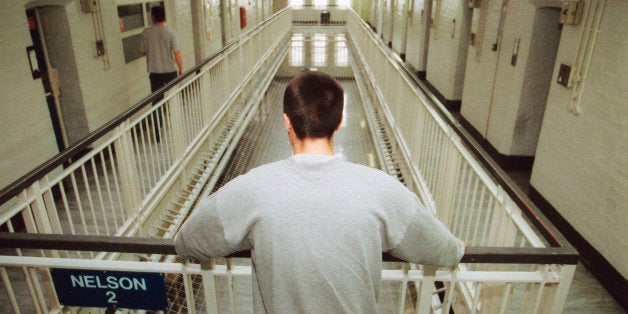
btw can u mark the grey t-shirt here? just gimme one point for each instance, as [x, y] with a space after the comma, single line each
[159, 42]
[316, 229]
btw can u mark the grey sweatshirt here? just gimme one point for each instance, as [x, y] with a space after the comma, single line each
[316, 230]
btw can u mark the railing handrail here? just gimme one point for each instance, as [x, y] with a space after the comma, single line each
[64, 157]
[538, 219]
[518, 255]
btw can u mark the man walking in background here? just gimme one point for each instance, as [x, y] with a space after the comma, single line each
[163, 57]
[163, 54]
[316, 224]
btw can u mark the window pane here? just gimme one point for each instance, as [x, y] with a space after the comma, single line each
[149, 6]
[130, 17]
[131, 46]
[296, 53]
[320, 55]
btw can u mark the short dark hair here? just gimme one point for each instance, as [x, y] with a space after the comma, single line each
[158, 13]
[313, 101]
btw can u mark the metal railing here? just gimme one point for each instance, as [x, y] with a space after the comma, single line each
[515, 260]
[465, 189]
[139, 174]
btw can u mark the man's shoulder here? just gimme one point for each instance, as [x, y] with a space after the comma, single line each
[362, 170]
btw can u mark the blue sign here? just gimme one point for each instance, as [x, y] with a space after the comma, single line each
[90, 288]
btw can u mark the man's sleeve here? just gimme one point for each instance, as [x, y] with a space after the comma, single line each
[428, 241]
[175, 42]
[202, 236]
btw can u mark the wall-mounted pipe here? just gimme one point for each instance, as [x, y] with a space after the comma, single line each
[586, 47]
[500, 27]
[502, 20]
[99, 33]
[481, 27]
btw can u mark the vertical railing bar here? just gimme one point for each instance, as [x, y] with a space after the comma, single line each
[404, 288]
[9, 289]
[459, 198]
[189, 293]
[456, 182]
[151, 152]
[100, 198]
[192, 117]
[185, 129]
[507, 297]
[197, 115]
[232, 298]
[427, 153]
[89, 199]
[31, 289]
[489, 214]
[209, 287]
[157, 144]
[449, 293]
[433, 161]
[143, 148]
[38, 289]
[26, 273]
[116, 183]
[566, 276]
[152, 127]
[199, 101]
[64, 198]
[425, 132]
[476, 298]
[137, 160]
[466, 196]
[160, 148]
[478, 216]
[539, 295]
[524, 299]
[108, 187]
[440, 150]
[79, 203]
[194, 108]
[473, 206]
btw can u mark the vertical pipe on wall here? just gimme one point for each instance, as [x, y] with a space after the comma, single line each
[583, 60]
[481, 27]
[500, 30]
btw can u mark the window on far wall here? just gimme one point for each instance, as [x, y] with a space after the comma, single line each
[133, 18]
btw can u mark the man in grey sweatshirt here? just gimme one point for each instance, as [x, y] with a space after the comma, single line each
[316, 225]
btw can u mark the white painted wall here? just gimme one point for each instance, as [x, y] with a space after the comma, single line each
[387, 21]
[102, 91]
[417, 38]
[581, 166]
[537, 79]
[481, 66]
[400, 26]
[26, 135]
[56, 30]
[207, 28]
[508, 91]
[506, 105]
[447, 52]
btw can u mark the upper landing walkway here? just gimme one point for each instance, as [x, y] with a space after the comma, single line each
[129, 195]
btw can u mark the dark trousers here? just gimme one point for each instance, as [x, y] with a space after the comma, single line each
[157, 81]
